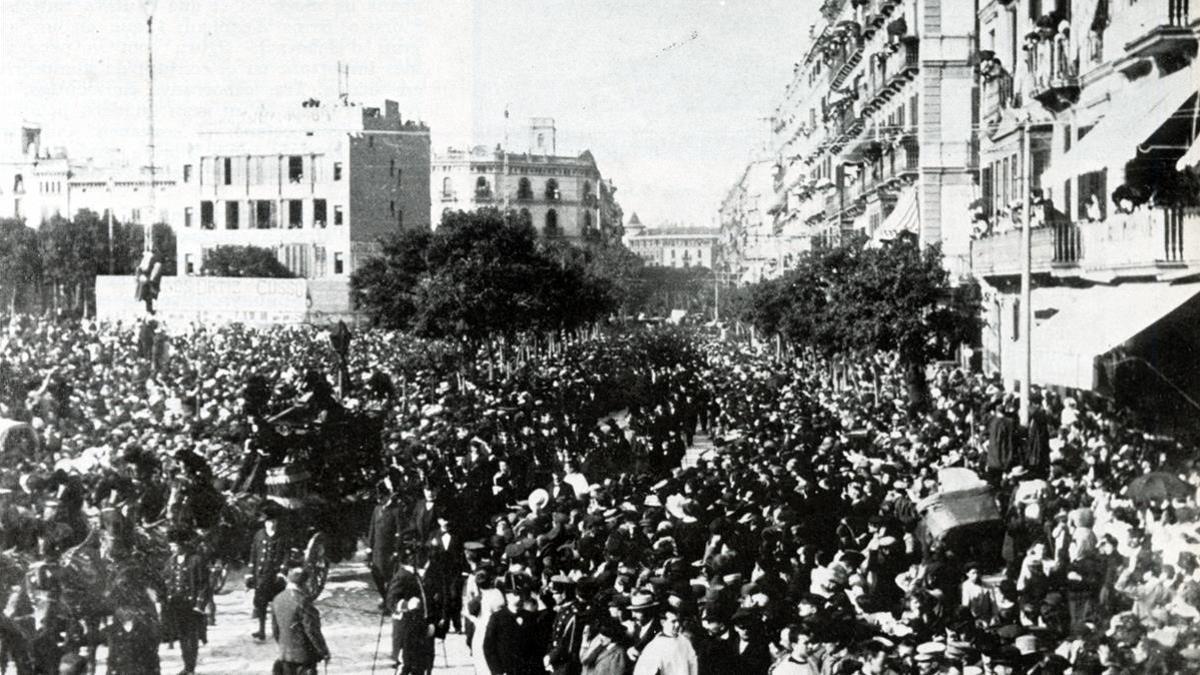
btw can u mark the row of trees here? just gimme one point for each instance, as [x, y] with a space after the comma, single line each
[851, 301]
[55, 265]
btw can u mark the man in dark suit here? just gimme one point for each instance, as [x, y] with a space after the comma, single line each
[383, 538]
[445, 574]
[415, 607]
[183, 617]
[296, 625]
[268, 555]
[424, 515]
[509, 634]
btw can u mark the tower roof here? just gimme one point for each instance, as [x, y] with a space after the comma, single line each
[634, 221]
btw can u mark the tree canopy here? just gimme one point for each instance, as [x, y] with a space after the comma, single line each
[479, 273]
[854, 300]
[243, 261]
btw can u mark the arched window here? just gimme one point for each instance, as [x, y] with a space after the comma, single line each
[551, 223]
[552, 193]
[526, 217]
[524, 189]
[587, 221]
[483, 189]
[447, 188]
[589, 198]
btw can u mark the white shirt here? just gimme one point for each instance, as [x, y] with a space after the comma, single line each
[667, 656]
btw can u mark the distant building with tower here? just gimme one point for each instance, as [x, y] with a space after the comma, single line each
[318, 185]
[561, 195]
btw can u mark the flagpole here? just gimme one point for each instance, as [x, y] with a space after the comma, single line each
[504, 161]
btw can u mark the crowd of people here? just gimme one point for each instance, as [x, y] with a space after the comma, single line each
[535, 499]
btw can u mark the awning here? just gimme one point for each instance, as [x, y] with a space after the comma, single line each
[906, 216]
[1133, 115]
[1092, 322]
[1191, 157]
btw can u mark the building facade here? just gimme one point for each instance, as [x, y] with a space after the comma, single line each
[874, 132]
[319, 185]
[34, 180]
[1105, 94]
[751, 247]
[673, 246]
[561, 195]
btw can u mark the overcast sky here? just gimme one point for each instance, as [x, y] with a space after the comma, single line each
[667, 94]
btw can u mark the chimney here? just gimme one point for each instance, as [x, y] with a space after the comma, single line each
[391, 109]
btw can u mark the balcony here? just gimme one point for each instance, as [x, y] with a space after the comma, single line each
[449, 196]
[1159, 29]
[997, 97]
[1148, 242]
[1055, 76]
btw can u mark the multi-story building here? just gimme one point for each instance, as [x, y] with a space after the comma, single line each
[34, 180]
[751, 247]
[123, 190]
[874, 132]
[672, 246]
[1105, 92]
[561, 195]
[319, 185]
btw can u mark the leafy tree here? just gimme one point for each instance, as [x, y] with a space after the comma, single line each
[854, 300]
[243, 261]
[20, 260]
[68, 252]
[388, 284]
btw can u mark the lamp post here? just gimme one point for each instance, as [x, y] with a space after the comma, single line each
[1026, 315]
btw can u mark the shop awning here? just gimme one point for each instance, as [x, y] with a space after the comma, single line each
[1191, 157]
[1091, 322]
[906, 216]
[1133, 115]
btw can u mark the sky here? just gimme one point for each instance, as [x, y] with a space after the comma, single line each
[670, 96]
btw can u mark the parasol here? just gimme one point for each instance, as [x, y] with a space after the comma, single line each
[1158, 485]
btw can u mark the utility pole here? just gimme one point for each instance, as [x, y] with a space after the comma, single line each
[149, 5]
[1026, 310]
[504, 163]
[112, 247]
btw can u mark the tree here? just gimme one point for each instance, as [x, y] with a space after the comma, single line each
[243, 261]
[480, 273]
[68, 253]
[854, 300]
[387, 285]
[20, 261]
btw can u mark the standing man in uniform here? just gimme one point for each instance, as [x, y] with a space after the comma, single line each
[268, 555]
[183, 603]
[296, 626]
[383, 538]
[567, 631]
[415, 608]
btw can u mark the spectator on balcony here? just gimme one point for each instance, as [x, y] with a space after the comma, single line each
[1092, 210]
[1062, 49]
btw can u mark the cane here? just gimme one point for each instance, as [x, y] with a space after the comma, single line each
[445, 658]
[378, 639]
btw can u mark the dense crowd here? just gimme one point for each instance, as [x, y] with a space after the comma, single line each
[533, 497]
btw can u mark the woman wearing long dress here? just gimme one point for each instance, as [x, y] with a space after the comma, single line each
[490, 601]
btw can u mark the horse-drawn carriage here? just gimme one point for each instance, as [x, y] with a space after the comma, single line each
[962, 517]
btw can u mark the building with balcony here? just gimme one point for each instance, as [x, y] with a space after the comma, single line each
[561, 195]
[34, 180]
[319, 185]
[751, 246]
[874, 133]
[674, 245]
[1105, 92]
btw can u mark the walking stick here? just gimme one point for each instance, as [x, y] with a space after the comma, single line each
[445, 657]
[378, 639]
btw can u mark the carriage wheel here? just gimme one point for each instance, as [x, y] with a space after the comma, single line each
[316, 564]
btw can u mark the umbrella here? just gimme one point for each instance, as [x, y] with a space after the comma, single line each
[1158, 485]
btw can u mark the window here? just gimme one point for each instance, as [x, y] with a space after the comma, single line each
[392, 207]
[339, 264]
[524, 189]
[400, 219]
[337, 170]
[483, 189]
[526, 217]
[295, 168]
[206, 215]
[552, 193]
[447, 188]
[187, 216]
[136, 216]
[587, 220]
[189, 267]
[319, 213]
[227, 170]
[295, 214]
[217, 165]
[187, 173]
[264, 214]
[399, 177]
[392, 168]
[231, 215]
[552, 223]
[337, 215]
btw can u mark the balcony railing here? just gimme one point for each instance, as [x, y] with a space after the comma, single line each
[1145, 242]
[1055, 74]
